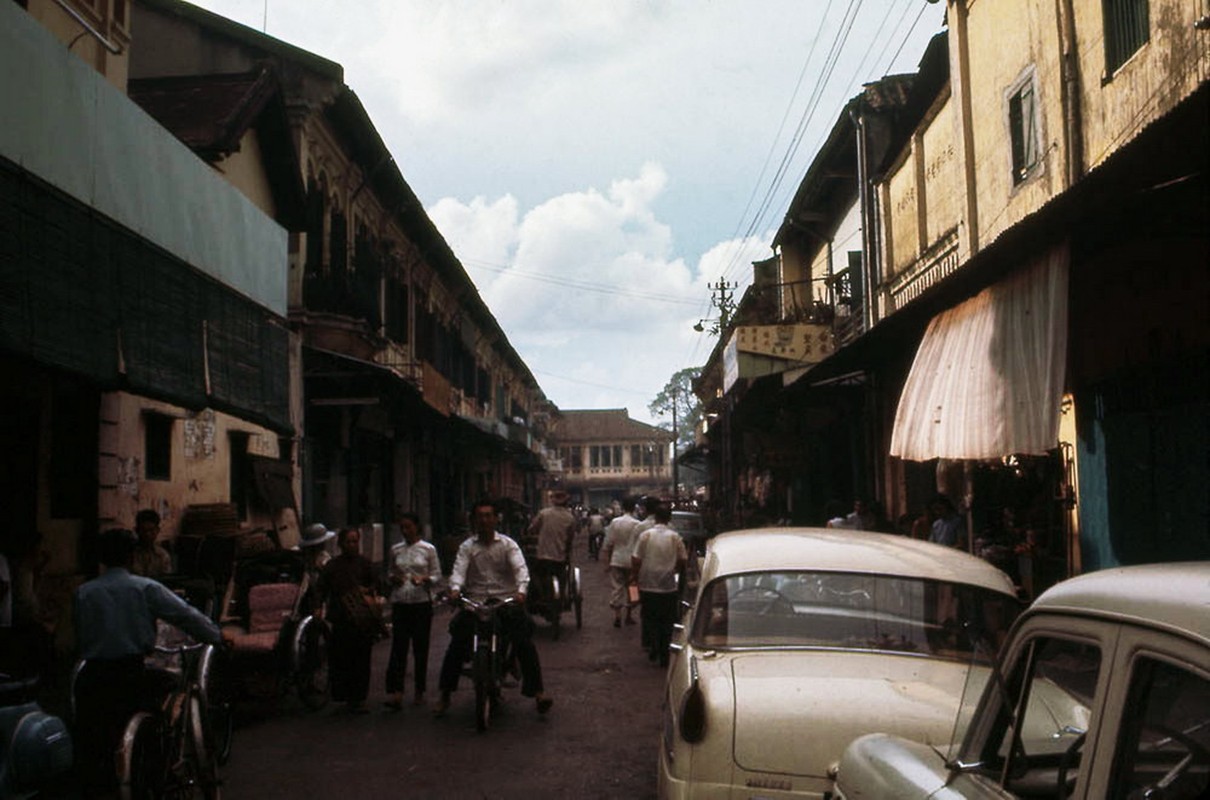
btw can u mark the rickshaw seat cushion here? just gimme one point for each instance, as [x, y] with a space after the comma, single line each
[269, 605]
[255, 642]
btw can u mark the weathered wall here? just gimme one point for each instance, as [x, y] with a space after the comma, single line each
[1005, 41]
[901, 232]
[1169, 67]
[100, 16]
[245, 170]
[942, 174]
[200, 469]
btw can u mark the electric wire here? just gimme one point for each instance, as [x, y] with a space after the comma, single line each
[886, 43]
[906, 36]
[571, 283]
[830, 60]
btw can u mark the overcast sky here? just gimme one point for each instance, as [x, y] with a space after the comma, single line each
[594, 164]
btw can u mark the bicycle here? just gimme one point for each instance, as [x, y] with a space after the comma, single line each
[172, 752]
[491, 655]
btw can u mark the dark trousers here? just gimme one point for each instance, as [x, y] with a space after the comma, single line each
[410, 623]
[658, 615]
[107, 695]
[519, 629]
[349, 664]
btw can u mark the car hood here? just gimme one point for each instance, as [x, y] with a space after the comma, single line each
[795, 712]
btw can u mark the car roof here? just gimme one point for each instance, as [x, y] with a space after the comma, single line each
[1174, 596]
[837, 550]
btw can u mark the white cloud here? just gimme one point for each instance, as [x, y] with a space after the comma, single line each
[593, 296]
[615, 149]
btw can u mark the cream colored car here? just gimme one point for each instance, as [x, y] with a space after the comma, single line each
[1103, 692]
[802, 639]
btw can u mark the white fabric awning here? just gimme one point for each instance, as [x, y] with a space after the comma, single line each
[988, 377]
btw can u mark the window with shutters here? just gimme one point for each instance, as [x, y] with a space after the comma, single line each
[1023, 126]
[1127, 28]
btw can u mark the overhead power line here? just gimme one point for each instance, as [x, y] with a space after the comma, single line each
[584, 286]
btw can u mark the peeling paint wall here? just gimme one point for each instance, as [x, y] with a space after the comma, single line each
[199, 469]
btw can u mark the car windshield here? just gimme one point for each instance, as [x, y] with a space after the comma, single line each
[686, 524]
[851, 611]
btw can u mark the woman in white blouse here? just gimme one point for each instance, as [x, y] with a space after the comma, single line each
[414, 571]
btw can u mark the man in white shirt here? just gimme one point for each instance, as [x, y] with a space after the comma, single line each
[658, 562]
[491, 565]
[619, 546]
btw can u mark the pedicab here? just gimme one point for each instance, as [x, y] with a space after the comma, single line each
[278, 634]
[558, 593]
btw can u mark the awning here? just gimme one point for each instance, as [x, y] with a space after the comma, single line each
[988, 377]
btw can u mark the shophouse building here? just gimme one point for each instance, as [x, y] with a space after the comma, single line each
[411, 396]
[1033, 339]
[605, 456]
[143, 316]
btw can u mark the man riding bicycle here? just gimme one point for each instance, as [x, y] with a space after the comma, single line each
[555, 528]
[491, 565]
[115, 621]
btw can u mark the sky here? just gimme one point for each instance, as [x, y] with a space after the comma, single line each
[596, 165]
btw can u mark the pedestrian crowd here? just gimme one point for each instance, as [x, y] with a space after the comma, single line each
[121, 613]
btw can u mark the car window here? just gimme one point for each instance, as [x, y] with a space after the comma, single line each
[1164, 743]
[852, 611]
[1044, 714]
[686, 525]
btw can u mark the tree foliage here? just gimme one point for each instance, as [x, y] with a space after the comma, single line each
[678, 392]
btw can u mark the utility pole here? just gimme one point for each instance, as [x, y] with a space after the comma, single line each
[676, 481]
[722, 297]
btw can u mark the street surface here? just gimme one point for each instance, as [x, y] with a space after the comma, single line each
[599, 741]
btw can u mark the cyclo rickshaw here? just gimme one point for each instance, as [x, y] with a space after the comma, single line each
[264, 600]
[558, 593]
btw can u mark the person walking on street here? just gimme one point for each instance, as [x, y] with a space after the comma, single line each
[491, 565]
[618, 548]
[555, 528]
[596, 533]
[414, 571]
[115, 624]
[313, 547]
[658, 561]
[348, 585]
[645, 513]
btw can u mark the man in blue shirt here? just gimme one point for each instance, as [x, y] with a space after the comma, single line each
[115, 623]
[949, 527]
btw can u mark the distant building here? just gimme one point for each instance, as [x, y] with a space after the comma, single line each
[606, 456]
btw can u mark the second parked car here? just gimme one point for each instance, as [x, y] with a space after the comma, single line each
[1104, 692]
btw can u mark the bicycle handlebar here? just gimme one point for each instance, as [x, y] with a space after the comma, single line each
[491, 602]
[181, 648]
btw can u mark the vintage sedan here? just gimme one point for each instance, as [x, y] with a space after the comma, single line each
[803, 639]
[1103, 692]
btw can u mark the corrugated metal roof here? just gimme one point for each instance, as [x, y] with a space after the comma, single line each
[208, 113]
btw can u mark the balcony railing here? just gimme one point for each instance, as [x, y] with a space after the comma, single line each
[934, 265]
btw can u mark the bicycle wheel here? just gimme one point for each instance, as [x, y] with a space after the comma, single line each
[219, 718]
[577, 598]
[481, 671]
[141, 761]
[199, 770]
[311, 663]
